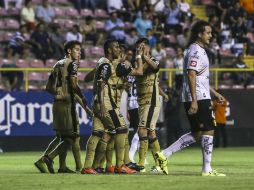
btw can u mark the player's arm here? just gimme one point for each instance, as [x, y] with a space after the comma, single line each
[90, 76]
[152, 63]
[104, 72]
[163, 94]
[192, 74]
[72, 73]
[217, 95]
[51, 84]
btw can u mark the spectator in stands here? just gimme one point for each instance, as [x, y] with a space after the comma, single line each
[134, 5]
[173, 16]
[18, 4]
[219, 109]
[215, 25]
[159, 53]
[28, 15]
[239, 31]
[158, 5]
[241, 78]
[151, 38]
[142, 24]
[89, 31]
[185, 8]
[45, 13]
[74, 34]
[17, 42]
[131, 38]
[182, 39]
[158, 26]
[115, 27]
[222, 8]
[88, 4]
[114, 5]
[41, 42]
[12, 80]
[58, 38]
[236, 13]
[178, 64]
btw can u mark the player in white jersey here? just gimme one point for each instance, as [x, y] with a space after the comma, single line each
[197, 99]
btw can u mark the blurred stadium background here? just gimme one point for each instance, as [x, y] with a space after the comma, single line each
[31, 41]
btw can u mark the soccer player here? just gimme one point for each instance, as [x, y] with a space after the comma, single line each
[148, 101]
[107, 117]
[63, 85]
[197, 99]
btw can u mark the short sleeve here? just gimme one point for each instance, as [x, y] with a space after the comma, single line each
[122, 70]
[73, 69]
[194, 61]
[104, 71]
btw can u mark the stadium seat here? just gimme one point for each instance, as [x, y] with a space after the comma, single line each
[69, 23]
[170, 51]
[97, 51]
[12, 11]
[60, 22]
[35, 76]
[62, 2]
[37, 63]
[251, 86]
[33, 87]
[236, 86]
[2, 25]
[86, 12]
[171, 38]
[92, 63]
[59, 12]
[7, 36]
[101, 13]
[50, 63]
[12, 24]
[23, 63]
[100, 25]
[128, 25]
[71, 12]
[83, 64]
[224, 86]
[81, 76]
[5, 61]
[207, 2]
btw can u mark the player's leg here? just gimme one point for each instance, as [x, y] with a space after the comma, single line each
[110, 168]
[206, 124]
[134, 122]
[120, 137]
[76, 151]
[100, 152]
[98, 131]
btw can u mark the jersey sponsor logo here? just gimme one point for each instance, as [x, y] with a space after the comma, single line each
[104, 71]
[193, 63]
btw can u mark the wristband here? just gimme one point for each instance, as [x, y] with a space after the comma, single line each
[138, 57]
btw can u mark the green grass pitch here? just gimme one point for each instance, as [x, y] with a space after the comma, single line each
[17, 172]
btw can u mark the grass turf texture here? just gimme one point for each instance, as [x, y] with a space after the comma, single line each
[18, 172]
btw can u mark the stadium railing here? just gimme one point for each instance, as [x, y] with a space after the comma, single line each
[170, 71]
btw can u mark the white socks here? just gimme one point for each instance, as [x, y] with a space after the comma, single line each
[184, 141]
[207, 149]
[134, 146]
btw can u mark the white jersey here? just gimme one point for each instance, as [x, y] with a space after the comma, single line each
[132, 94]
[195, 58]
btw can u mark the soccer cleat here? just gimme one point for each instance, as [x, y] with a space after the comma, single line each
[163, 162]
[88, 171]
[213, 173]
[143, 170]
[110, 169]
[124, 170]
[156, 169]
[41, 166]
[99, 170]
[135, 166]
[49, 164]
[65, 170]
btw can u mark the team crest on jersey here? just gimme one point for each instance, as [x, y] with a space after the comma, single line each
[193, 63]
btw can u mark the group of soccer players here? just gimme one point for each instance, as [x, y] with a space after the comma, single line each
[139, 77]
